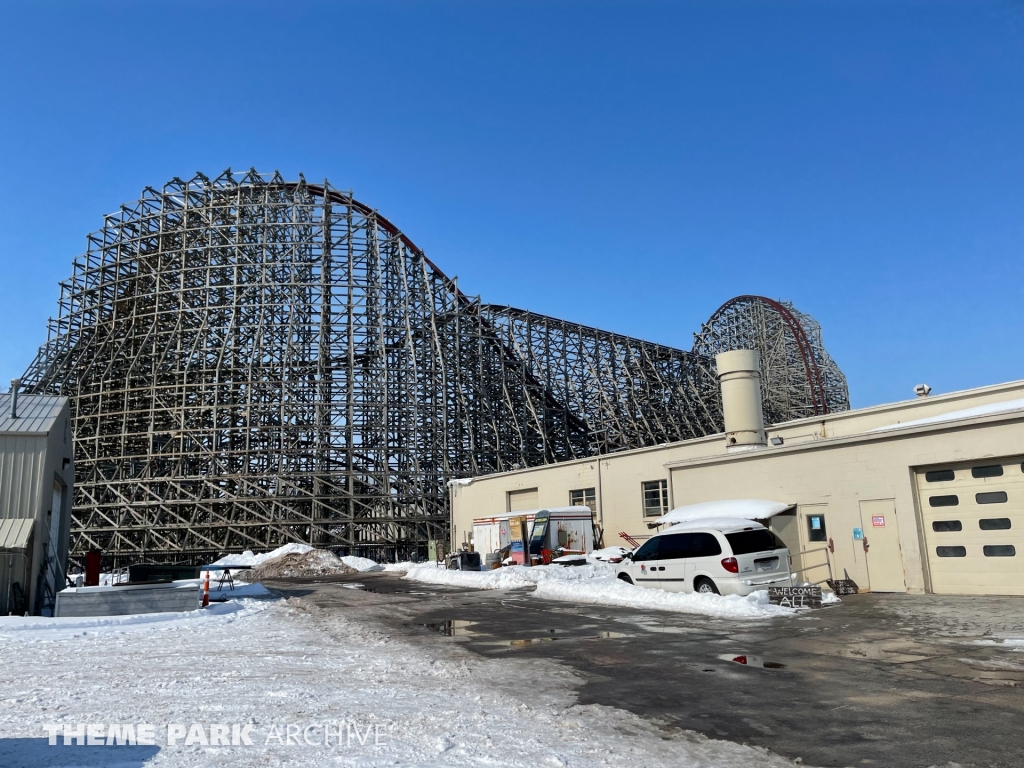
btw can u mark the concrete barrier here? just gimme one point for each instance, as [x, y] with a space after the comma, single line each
[128, 599]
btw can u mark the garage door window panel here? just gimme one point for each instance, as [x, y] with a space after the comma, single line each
[940, 475]
[1000, 550]
[951, 500]
[951, 551]
[991, 497]
[992, 470]
[994, 524]
[947, 526]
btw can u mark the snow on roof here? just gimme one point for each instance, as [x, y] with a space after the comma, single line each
[744, 509]
[967, 413]
[718, 523]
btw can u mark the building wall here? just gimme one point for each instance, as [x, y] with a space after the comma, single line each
[836, 461]
[843, 475]
[29, 464]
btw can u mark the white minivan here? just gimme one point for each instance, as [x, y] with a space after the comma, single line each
[718, 556]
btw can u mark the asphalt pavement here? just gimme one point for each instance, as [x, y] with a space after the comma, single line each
[885, 680]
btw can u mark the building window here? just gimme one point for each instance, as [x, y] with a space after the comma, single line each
[992, 497]
[583, 497]
[816, 528]
[951, 551]
[1002, 550]
[946, 526]
[943, 501]
[939, 475]
[994, 524]
[655, 498]
[993, 470]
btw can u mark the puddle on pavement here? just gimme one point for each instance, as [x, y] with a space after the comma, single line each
[353, 586]
[751, 661]
[459, 628]
[451, 627]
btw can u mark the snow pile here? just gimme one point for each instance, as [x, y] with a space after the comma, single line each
[610, 591]
[596, 583]
[511, 577]
[36, 628]
[315, 562]
[248, 558]
[405, 566]
[361, 564]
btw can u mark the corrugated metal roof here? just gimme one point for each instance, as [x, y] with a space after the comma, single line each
[14, 534]
[36, 413]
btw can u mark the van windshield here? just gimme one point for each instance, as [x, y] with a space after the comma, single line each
[761, 540]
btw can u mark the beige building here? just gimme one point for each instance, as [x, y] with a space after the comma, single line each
[920, 496]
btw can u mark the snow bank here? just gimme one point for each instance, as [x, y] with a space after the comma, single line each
[611, 591]
[511, 577]
[404, 567]
[35, 628]
[248, 558]
[596, 583]
[361, 564]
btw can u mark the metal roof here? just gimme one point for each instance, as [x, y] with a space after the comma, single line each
[14, 534]
[36, 413]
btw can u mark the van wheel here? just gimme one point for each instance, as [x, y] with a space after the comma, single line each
[625, 578]
[706, 586]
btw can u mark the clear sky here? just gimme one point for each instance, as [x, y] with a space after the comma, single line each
[628, 165]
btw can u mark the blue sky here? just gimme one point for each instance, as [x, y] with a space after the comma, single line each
[627, 165]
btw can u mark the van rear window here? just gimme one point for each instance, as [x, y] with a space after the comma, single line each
[761, 540]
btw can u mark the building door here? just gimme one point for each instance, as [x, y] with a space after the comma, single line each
[522, 501]
[884, 556]
[973, 520]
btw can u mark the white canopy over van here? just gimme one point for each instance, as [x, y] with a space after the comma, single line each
[746, 509]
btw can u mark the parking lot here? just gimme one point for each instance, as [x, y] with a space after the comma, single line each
[890, 680]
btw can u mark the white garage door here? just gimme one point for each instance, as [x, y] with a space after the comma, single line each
[973, 517]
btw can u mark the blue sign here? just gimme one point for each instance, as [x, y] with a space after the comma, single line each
[858, 534]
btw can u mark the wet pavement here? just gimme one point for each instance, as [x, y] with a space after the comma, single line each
[886, 680]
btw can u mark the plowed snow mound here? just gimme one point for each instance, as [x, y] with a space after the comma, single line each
[316, 562]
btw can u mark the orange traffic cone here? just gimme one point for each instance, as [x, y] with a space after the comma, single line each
[206, 590]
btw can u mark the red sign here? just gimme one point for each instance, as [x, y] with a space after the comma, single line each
[878, 521]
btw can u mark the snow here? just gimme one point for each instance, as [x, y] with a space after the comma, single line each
[747, 509]
[511, 577]
[607, 553]
[248, 558]
[274, 662]
[616, 592]
[719, 523]
[966, 413]
[596, 584]
[830, 598]
[38, 628]
[362, 564]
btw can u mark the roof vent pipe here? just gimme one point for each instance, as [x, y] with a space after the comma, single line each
[739, 373]
[15, 385]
